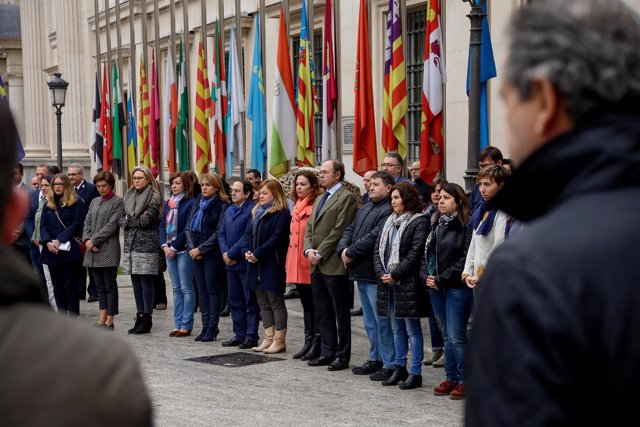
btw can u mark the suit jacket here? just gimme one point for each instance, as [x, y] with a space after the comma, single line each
[88, 192]
[325, 228]
[29, 219]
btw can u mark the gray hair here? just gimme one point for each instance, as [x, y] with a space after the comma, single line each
[77, 166]
[588, 49]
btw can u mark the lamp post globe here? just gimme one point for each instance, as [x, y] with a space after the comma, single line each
[58, 87]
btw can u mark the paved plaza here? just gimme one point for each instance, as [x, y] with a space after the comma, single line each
[284, 392]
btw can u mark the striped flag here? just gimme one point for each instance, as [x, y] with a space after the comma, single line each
[170, 114]
[283, 128]
[154, 117]
[329, 90]
[143, 117]
[132, 139]
[365, 150]
[256, 110]
[201, 119]
[96, 134]
[118, 122]
[307, 99]
[19, 147]
[235, 131]
[105, 124]
[394, 97]
[219, 104]
[433, 79]
[182, 128]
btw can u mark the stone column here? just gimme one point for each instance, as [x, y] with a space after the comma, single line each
[16, 87]
[37, 105]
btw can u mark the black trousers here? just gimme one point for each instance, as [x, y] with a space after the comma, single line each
[331, 302]
[64, 278]
[107, 287]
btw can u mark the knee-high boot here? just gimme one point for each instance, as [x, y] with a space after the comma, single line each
[308, 335]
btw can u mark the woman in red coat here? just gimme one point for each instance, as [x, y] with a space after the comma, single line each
[304, 192]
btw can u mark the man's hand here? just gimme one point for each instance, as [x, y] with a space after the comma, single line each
[345, 258]
[314, 259]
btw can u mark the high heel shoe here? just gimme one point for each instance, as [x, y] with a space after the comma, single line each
[211, 335]
[202, 333]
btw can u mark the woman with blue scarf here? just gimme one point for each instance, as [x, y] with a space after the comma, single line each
[265, 245]
[488, 225]
[204, 250]
[445, 254]
[173, 242]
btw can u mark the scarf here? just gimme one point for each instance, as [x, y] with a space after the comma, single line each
[172, 217]
[196, 222]
[482, 219]
[391, 236]
[108, 196]
[260, 212]
[430, 255]
[300, 207]
[135, 202]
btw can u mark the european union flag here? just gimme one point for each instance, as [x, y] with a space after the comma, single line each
[487, 71]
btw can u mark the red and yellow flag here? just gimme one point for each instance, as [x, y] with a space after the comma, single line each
[394, 97]
[143, 117]
[307, 99]
[202, 113]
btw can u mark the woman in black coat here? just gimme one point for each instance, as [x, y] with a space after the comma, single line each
[397, 255]
[265, 246]
[446, 252]
[204, 249]
[60, 230]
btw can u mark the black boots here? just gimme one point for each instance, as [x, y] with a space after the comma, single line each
[309, 323]
[138, 325]
[143, 324]
[314, 351]
[399, 374]
[308, 340]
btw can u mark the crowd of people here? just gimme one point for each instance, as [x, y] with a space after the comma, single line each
[409, 249]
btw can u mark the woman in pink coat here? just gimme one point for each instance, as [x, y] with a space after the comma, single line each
[304, 193]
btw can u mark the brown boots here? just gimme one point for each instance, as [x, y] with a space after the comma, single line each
[268, 339]
[279, 345]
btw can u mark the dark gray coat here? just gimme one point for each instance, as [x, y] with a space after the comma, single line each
[102, 227]
[141, 238]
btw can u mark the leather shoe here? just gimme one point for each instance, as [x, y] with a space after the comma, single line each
[173, 333]
[399, 374]
[411, 382]
[321, 361]
[292, 294]
[369, 367]
[381, 375]
[356, 312]
[338, 364]
[181, 333]
[247, 344]
[233, 342]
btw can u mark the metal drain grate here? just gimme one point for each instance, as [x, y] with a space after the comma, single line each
[235, 360]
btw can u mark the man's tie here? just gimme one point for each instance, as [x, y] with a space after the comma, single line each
[322, 202]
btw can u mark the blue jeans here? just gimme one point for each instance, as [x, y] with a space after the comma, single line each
[452, 307]
[243, 306]
[378, 329]
[184, 296]
[407, 332]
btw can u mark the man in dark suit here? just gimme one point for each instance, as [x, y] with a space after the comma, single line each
[87, 192]
[332, 213]
[392, 164]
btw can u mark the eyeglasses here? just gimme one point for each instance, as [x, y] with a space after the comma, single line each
[138, 178]
[389, 165]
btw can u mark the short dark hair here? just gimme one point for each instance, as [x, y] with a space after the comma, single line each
[491, 152]
[105, 176]
[20, 168]
[54, 170]
[410, 197]
[338, 166]
[495, 173]
[8, 138]
[395, 155]
[256, 172]
[187, 182]
[247, 187]
[386, 177]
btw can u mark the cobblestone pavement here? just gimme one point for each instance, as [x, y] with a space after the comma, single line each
[284, 392]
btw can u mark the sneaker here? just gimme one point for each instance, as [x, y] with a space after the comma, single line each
[435, 355]
[458, 392]
[439, 363]
[445, 388]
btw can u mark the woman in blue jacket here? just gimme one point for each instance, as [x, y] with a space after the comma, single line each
[60, 230]
[174, 244]
[265, 246]
[204, 250]
[242, 301]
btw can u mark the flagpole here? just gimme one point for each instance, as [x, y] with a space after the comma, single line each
[156, 16]
[172, 14]
[185, 32]
[107, 27]
[132, 48]
[475, 44]
[264, 74]
[96, 21]
[123, 151]
[241, 65]
[338, 48]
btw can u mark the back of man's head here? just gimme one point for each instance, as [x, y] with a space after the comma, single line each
[587, 49]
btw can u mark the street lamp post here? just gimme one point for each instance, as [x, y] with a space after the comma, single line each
[475, 44]
[58, 88]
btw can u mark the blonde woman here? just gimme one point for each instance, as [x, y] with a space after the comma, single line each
[60, 230]
[141, 242]
[204, 250]
[265, 246]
